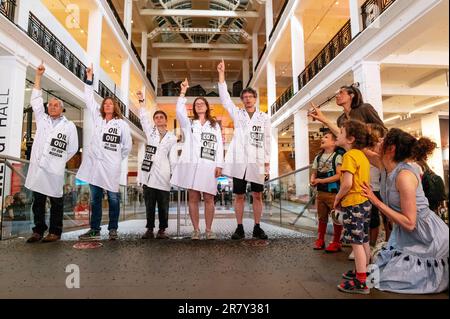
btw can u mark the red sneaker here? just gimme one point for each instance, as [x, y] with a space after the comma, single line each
[333, 247]
[319, 244]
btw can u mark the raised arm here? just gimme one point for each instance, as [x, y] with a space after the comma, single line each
[223, 92]
[36, 101]
[73, 142]
[182, 115]
[173, 155]
[89, 99]
[317, 114]
[146, 122]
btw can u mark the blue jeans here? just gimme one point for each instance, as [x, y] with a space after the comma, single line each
[96, 207]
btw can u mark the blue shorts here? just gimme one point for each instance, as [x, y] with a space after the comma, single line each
[356, 223]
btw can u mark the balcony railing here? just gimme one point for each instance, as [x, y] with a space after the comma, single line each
[47, 40]
[278, 18]
[116, 14]
[372, 9]
[103, 91]
[282, 99]
[260, 56]
[137, 56]
[8, 8]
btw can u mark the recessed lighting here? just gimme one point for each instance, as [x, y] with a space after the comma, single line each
[337, 2]
[200, 65]
[107, 61]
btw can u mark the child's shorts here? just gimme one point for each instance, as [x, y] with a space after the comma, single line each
[356, 223]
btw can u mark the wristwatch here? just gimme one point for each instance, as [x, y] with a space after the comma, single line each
[182, 94]
[141, 101]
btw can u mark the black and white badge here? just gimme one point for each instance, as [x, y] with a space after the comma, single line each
[208, 146]
[111, 139]
[150, 152]
[58, 145]
[257, 136]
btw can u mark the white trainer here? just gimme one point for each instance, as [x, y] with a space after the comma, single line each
[210, 235]
[195, 235]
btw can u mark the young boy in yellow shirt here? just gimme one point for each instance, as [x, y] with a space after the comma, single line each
[355, 171]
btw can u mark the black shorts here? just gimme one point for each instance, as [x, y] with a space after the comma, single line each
[240, 186]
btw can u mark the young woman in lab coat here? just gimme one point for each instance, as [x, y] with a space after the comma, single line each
[55, 142]
[201, 159]
[110, 143]
[157, 166]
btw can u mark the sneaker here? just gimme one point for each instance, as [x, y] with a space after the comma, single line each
[51, 238]
[354, 286]
[351, 274]
[90, 235]
[35, 237]
[319, 244]
[113, 234]
[259, 233]
[161, 234]
[210, 235]
[238, 234]
[148, 234]
[351, 256]
[195, 235]
[333, 247]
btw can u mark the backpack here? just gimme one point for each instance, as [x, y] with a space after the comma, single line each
[330, 187]
[434, 188]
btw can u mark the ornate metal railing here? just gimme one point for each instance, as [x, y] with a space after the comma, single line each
[47, 40]
[260, 56]
[149, 77]
[116, 14]
[372, 9]
[137, 56]
[278, 18]
[8, 8]
[134, 119]
[282, 99]
[104, 91]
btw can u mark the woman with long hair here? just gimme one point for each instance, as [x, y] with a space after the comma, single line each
[416, 258]
[110, 143]
[354, 107]
[201, 159]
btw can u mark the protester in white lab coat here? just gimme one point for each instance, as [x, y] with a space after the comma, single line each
[248, 156]
[55, 142]
[102, 157]
[201, 159]
[157, 167]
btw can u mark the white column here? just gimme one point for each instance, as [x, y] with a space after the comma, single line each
[301, 141]
[140, 158]
[355, 17]
[269, 19]
[257, 98]
[297, 49]
[154, 73]
[245, 72]
[254, 50]
[125, 83]
[12, 95]
[144, 49]
[94, 41]
[274, 153]
[369, 77]
[271, 85]
[128, 16]
[431, 129]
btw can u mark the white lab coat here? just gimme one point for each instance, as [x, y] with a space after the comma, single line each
[201, 154]
[109, 145]
[160, 156]
[52, 148]
[249, 149]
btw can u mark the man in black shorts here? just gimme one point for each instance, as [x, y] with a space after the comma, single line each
[248, 156]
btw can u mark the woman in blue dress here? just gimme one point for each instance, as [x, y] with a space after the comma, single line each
[415, 260]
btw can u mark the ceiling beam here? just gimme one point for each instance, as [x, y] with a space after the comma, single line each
[199, 13]
[407, 91]
[436, 60]
[227, 46]
[430, 76]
